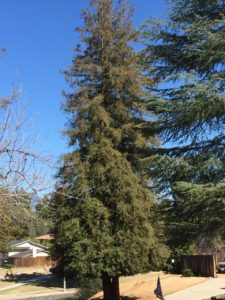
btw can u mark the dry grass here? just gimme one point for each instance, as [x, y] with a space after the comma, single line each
[141, 287]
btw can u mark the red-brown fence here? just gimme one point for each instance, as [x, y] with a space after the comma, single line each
[202, 265]
[32, 262]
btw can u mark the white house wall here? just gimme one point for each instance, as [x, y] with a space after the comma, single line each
[42, 254]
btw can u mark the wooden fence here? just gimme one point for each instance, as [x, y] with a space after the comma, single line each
[201, 265]
[32, 262]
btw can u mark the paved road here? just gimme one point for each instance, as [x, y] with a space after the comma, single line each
[205, 290]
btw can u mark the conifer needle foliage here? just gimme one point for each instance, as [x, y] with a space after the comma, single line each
[186, 57]
[105, 223]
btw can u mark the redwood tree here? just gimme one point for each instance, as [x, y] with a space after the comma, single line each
[105, 222]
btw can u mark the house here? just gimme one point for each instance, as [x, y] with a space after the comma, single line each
[26, 249]
[45, 238]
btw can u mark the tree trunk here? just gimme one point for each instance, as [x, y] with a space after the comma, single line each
[107, 287]
[115, 288]
[111, 289]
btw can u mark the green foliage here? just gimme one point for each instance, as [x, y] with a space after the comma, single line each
[43, 208]
[173, 264]
[18, 221]
[42, 222]
[105, 220]
[88, 288]
[37, 227]
[187, 273]
[15, 212]
[8, 266]
[184, 56]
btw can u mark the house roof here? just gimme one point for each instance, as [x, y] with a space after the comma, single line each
[46, 237]
[16, 243]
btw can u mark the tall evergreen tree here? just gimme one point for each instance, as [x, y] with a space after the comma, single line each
[186, 57]
[105, 223]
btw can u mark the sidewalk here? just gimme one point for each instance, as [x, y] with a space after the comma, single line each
[205, 290]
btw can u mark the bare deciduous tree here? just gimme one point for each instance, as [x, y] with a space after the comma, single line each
[23, 169]
[20, 166]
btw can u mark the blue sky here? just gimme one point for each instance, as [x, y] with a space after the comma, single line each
[39, 37]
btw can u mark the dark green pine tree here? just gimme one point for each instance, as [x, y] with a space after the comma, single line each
[186, 57]
[105, 223]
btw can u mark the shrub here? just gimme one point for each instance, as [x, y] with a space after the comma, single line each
[187, 273]
[7, 266]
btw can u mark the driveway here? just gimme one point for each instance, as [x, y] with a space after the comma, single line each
[205, 290]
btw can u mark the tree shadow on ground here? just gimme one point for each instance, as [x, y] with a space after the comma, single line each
[38, 279]
[121, 298]
[128, 298]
